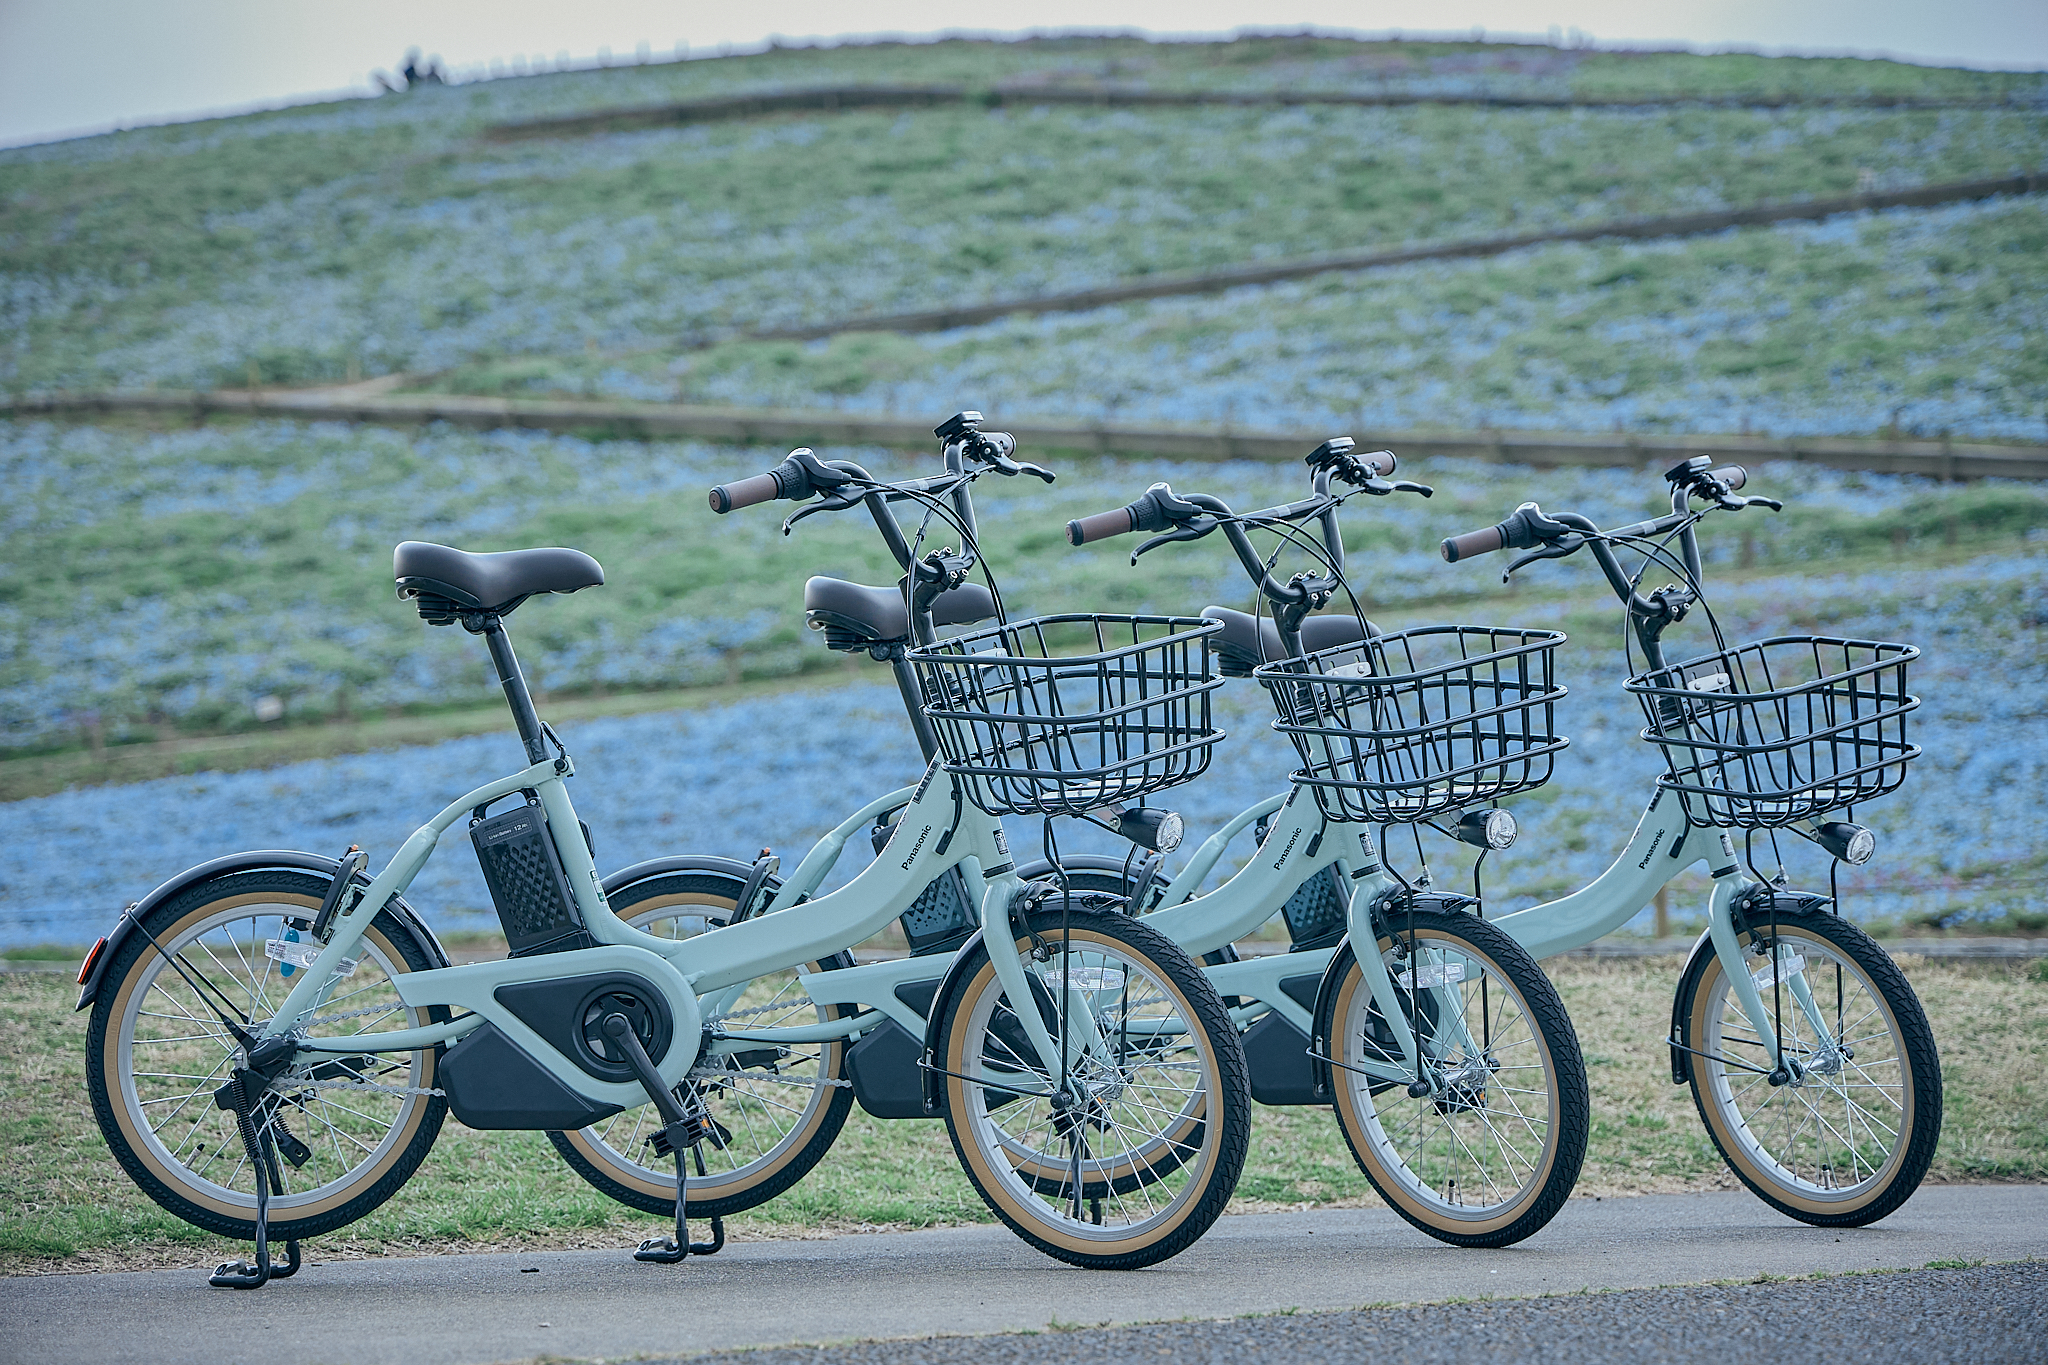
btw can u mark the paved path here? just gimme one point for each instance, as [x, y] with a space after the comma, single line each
[459, 1310]
[1915, 1317]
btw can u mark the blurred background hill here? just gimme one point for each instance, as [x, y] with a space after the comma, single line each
[163, 583]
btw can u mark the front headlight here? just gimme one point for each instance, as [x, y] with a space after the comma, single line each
[1151, 827]
[1494, 829]
[1853, 844]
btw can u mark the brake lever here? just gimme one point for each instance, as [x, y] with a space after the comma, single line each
[1193, 530]
[1557, 549]
[1011, 467]
[1735, 504]
[1380, 488]
[837, 502]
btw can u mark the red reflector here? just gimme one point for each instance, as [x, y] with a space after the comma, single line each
[91, 958]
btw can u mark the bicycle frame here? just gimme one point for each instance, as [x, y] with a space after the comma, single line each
[1662, 846]
[937, 831]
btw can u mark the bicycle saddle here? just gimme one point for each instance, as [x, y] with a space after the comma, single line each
[1246, 641]
[854, 615]
[443, 578]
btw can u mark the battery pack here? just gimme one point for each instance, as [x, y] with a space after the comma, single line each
[529, 888]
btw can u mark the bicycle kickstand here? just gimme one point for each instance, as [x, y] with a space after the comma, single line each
[679, 1135]
[234, 1096]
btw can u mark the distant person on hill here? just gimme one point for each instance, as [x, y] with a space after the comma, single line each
[411, 75]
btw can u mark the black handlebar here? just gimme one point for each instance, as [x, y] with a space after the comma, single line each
[791, 479]
[1157, 510]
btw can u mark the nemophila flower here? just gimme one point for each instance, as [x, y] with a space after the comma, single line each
[781, 770]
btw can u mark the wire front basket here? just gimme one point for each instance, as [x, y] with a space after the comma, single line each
[1062, 715]
[1412, 725]
[1766, 734]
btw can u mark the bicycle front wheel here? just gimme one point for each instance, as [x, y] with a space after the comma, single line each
[1487, 1154]
[771, 1112]
[1846, 1139]
[1078, 1164]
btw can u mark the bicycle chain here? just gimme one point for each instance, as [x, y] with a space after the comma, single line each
[349, 1014]
[285, 1084]
[769, 1008]
[705, 1074]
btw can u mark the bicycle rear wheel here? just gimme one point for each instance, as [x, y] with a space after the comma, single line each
[1490, 1156]
[772, 1112]
[1848, 1139]
[1070, 1169]
[349, 1128]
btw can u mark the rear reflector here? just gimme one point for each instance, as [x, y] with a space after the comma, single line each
[91, 959]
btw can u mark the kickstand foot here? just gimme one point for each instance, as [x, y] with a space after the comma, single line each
[263, 1161]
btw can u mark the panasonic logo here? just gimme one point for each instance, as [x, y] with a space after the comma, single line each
[917, 847]
[1292, 839]
[1655, 840]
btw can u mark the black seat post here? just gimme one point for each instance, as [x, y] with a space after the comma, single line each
[514, 683]
[913, 703]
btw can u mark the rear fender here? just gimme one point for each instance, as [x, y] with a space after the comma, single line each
[688, 862]
[258, 860]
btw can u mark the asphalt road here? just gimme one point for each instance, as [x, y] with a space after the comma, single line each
[1914, 1317]
[461, 1310]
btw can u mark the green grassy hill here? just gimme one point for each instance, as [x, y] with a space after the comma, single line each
[376, 236]
[155, 581]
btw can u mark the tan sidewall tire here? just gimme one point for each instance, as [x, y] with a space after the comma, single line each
[286, 1218]
[1716, 1115]
[995, 1186]
[1395, 1189]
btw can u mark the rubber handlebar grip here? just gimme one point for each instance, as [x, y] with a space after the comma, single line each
[1733, 475]
[1473, 543]
[761, 488]
[1381, 462]
[1101, 526]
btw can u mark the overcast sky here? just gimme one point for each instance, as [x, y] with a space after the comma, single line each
[70, 66]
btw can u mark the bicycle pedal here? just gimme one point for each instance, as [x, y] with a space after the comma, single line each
[675, 1137]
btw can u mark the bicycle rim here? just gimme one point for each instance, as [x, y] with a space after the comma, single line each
[1470, 1162]
[1087, 1181]
[340, 1122]
[1835, 1137]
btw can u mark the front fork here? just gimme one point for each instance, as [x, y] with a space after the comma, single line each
[998, 931]
[1721, 930]
[1423, 1075]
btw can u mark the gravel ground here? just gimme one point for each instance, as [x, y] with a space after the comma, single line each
[1989, 1313]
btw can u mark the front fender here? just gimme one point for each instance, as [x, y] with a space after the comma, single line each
[1322, 1022]
[1041, 869]
[255, 860]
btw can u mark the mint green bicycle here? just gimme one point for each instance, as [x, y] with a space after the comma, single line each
[1446, 1053]
[276, 1037]
[1809, 1057]
[1474, 1162]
